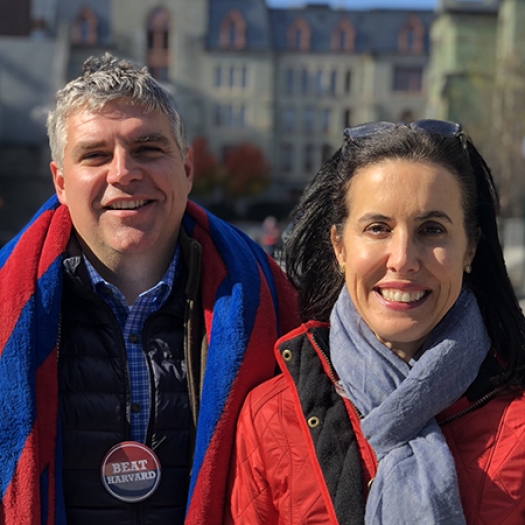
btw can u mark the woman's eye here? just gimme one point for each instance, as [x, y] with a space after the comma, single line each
[377, 228]
[432, 229]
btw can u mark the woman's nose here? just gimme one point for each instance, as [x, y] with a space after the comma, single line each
[403, 256]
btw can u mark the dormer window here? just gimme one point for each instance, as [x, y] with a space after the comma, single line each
[233, 31]
[343, 36]
[85, 28]
[158, 31]
[299, 35]
[411, 37]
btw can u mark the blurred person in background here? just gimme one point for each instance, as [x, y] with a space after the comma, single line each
[271, 235]
[132, 322]
[401, 400]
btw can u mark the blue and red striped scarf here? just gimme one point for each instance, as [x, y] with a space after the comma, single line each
[248, 304]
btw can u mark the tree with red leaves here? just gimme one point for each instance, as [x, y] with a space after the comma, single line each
[246, 170]
[206, 169]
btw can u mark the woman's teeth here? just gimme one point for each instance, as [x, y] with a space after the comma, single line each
[400, 296]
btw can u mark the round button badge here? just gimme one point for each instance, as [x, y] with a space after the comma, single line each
[130, 471]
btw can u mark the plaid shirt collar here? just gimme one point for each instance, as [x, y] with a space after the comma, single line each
[162, 288]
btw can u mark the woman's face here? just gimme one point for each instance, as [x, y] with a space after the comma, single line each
[404, 249]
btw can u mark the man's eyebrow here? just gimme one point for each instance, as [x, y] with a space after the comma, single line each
[88, 145]
[152, 137]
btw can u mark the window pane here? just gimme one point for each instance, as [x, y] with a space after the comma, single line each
[348, 82]
[228, 117]
[347, 118]
[308, 119]
[286, 157]
[407, 78]
[217, 116]
[242, 116]
[325, 120]
[333, 82]
[319, 81]
[288, 81]
[308, 158]
[289, 118]
[304, 81]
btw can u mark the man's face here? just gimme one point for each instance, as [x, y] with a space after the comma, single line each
[124, 181]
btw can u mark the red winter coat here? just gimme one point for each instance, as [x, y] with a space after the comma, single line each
[301, 458]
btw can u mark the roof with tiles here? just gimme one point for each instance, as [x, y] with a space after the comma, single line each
[256, 16]
[377, 30]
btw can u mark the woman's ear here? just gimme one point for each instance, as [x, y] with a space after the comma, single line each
[337, 245]
[471, 251]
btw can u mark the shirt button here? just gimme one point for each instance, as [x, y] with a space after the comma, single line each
[135, 408]
[133, 338]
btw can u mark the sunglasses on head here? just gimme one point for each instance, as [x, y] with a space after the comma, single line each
[443, 128]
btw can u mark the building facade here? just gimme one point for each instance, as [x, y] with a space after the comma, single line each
[285, 80]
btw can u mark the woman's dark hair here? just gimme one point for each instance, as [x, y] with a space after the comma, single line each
[310, 259]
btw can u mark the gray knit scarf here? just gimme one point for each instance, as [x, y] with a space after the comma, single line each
[416, 478]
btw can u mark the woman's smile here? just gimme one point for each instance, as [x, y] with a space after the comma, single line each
[393, 296]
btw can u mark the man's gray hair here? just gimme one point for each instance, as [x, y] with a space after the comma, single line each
[104, 80]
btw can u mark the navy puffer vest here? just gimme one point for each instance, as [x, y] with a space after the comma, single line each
[95, 405]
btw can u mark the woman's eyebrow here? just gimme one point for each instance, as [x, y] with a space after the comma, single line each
[373, 217]
[435, 214]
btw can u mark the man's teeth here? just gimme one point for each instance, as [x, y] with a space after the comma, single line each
[399, 296]
[126, 205]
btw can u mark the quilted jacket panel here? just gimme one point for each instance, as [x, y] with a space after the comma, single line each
[271, 446]
[488, 446]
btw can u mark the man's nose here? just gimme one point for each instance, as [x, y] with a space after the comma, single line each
[123, 168]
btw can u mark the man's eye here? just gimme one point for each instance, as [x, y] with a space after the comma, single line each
[148, 149]
[93, 155]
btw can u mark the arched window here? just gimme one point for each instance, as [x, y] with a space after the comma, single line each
[233, 31]
[343, 36]
[158, 31]
[298, 35]
[85, 28]
[411, 38]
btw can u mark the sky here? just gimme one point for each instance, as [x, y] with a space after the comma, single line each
[359, 4]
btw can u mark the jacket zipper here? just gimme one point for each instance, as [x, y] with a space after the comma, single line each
[334, 378]
[342, 393]
[477, 404]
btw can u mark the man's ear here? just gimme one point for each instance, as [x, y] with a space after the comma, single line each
[188, 167]
[58, 181]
